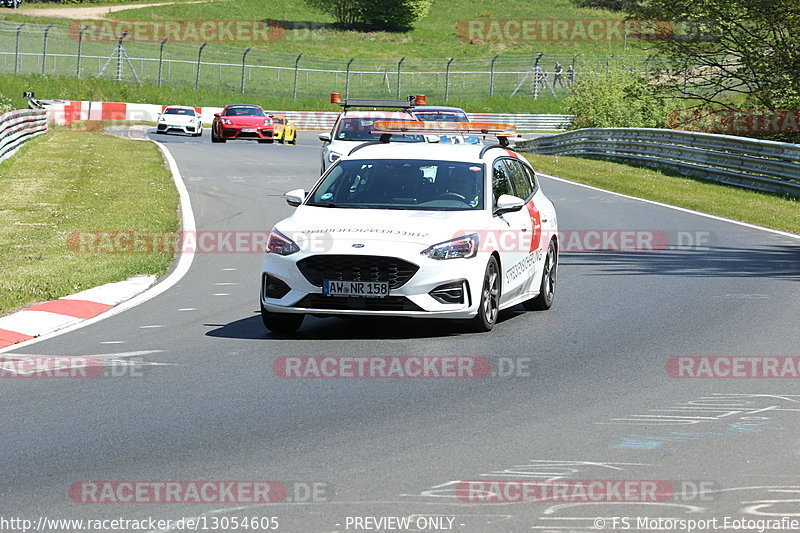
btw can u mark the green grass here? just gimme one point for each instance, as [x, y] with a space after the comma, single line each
[94, 89]
[68, 181]
[765, 209]
[311, 32]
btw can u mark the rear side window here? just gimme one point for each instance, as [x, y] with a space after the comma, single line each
[501, 184]
[523, 187]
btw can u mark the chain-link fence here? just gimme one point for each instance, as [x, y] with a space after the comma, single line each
[62, 50]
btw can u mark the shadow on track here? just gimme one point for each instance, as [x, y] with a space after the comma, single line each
[779, 262]
[353, 328]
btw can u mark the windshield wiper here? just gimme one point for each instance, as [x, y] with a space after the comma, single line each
[323, 204]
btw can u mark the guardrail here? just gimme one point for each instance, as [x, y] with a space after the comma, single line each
[16, 127]
[64, 112]
[755, 164]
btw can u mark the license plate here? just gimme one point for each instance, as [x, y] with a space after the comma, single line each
[359, 289]
[248, 130]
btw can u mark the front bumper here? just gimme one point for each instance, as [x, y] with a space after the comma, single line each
[411, 299]
[164, 127]
[237, 132]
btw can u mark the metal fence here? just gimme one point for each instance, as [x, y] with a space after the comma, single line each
[751, 163]
[16, 127]
[57, 49]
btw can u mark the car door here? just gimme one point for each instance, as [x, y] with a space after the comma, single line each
[511, 235]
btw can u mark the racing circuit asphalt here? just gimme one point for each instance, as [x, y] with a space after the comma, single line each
[598, 403]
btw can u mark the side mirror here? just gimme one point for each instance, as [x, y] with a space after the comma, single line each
[295, 197]
[507, 204]
[217, 115]
[325, 137]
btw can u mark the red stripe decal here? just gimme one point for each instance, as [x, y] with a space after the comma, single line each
[76, 308]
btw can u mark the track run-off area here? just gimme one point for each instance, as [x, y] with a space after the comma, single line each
[588, 391]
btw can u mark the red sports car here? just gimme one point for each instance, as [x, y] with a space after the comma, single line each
[242, 122]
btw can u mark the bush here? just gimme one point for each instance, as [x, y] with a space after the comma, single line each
[622, 99]
[393, 15]
[386, 15]
[5, 104]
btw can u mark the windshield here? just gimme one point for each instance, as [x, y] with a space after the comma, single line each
[244, 112]
[442, 116]
[360, 128]
[178, 111]
[402, 184]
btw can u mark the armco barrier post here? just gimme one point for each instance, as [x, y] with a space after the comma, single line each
[447, 80]
[399, 64]
[199, 56]
[347, 78]
[244, 65]
[161, 60]
[80, 47]
[16, 48]
[44, 48]
[491, 75]
[296, 67]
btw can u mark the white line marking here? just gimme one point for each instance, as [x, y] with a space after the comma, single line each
[222, 294]
[229, 269]
[112, 342]
[184, 262]
[691, 211]
[226, 283]
[187, 309]
[153, 326]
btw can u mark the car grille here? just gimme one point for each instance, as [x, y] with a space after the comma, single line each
[389, 303]
[357, 268]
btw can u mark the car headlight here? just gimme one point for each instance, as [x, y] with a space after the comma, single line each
[461, 247]
[268, 122]
[226, 121]
[278, 243]
[333, 156]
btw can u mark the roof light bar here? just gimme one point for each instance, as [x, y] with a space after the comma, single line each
[446, 128]
[367, 102]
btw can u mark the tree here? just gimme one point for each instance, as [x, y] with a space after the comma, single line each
[387, 15]
[620, 99]
[741, 50]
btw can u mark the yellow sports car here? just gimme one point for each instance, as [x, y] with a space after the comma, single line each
[284, 130]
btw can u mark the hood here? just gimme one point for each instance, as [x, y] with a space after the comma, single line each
[179, 119]
[246, 120]
[361, 225]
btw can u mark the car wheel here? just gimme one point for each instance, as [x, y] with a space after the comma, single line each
[294, 139]
[281, 322]
[490, 298]
[215, 138]
[547, 289]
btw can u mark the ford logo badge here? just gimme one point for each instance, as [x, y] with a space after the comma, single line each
[358, 245]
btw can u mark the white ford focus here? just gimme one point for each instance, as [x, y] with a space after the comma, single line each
[416, 230]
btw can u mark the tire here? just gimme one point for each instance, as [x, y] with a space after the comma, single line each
[215, 139]
[281, 322]
[489, 306]
[547, 288]
[262, 141]
[294, 139]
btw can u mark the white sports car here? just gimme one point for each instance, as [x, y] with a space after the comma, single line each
[415, 230]
[180, 118]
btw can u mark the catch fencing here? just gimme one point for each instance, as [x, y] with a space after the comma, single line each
[27, 48]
